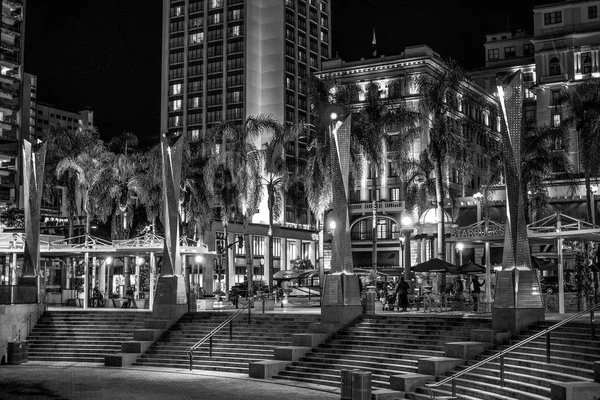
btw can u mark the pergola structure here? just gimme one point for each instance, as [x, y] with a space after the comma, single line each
[553, 229]
[86, 246]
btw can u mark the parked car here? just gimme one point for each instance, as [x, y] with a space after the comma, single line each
[549, 284]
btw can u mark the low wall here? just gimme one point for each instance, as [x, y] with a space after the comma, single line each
[12, 318]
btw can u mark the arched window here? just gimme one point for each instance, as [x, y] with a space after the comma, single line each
[554, 66]
[586, 63]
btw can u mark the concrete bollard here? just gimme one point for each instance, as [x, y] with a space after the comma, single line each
[346, 388]
[369, 303]
[361, 385]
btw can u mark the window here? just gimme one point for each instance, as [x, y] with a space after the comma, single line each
[195, 85]
[175, 72]
[234, 31]
[289, 34]
[175, 105]
[215, 66]
[592, 12]
[529, 116]
[214, 19]
[234, 113]
[194, 118]
[215, 50]
[527, 49]
[552, 18]
[556, 118]
[493, 54]
[586, 63]
[235, 47]
[235, 79]
[176, 41]
[395, 194]
[195, 53]
[289, 82]
[196, 6]
[176, 11]
[195, 135]
[194, 69]
[215, 34]
[175, 121]
[313, 61]
[196, 22]
[528, 94]
[176, 26]
[215, 4]
[214, 115]
[324, 36]
[258, 248]
[175, 89]
[214, 83]
[554, 66]
[510, 51]
[197, 38]
[235, 15]
[234, 96]
[194, 102]
[235, 63]
[528, 77]
[214, 99]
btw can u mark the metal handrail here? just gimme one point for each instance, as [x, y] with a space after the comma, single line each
[229, 321]
[27, 323]
[501, 355]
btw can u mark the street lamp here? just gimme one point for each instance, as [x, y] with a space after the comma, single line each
[406, 232]
[460, 247]
[478, 197]
[594, 191]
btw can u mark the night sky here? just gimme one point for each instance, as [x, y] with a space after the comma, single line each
[105, 54]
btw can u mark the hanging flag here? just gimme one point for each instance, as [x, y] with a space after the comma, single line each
[374, 43]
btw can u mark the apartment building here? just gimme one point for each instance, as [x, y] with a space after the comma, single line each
[229, 59]
[11, 78]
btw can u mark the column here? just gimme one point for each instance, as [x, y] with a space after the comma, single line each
[68, 271]
[577, 57]
[383, 184]
[230, 260]
[364, 190]
[561, 288]
[102, 277]
[299, 248]
[488, 274]
[312, 253]
[268, 260]
[452, 253]
[152, 274]
[283, 261]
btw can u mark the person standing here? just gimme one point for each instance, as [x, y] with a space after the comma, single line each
[403, 288]
[475, 290]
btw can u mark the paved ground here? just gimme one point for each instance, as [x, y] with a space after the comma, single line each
[73, 381]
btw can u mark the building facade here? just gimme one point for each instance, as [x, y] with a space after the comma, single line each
[11, 92]
[225, 60]
[386, 207]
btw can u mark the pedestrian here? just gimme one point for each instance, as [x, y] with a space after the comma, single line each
[458, 289]
[475, 290]
[403, 288]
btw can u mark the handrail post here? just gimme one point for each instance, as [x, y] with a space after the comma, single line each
[592, 324]
[191, 353]
[454, 387]
[231, 330]
[210, 347]
[502, 371]
[263, 305]
[249, 312]
[548, 347]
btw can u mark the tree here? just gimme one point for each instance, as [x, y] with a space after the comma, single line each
[65, 143]
[238, 159]
[583, 114]
[278, 176]
[448, 130]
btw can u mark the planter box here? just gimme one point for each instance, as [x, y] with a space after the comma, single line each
[204, 304]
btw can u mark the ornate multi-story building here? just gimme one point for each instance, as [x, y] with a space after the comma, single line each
[386, 205]
[229, 59]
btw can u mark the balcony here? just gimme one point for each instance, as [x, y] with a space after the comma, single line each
[382, 207]
[9, 104]
[12, 60]
[554, 78]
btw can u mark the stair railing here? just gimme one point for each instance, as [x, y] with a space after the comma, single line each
[43, 305]
[501, 354]
[229, 320]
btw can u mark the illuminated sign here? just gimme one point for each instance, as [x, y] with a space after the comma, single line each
[479, 231]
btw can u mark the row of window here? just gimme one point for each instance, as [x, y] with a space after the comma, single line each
[509, 52]
[214, 49]
[555, 17]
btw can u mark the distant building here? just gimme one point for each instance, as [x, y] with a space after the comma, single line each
[11, 77]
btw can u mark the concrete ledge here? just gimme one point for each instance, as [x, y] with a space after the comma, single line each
[156, 324]
[597, 371]
[267, 368]
[464, 350]
[290, 353]
[575, 391]
[147, 334]
[324, 327]
[438, 366]
[120, 359]
[387, 394]
[489, 336]
[135, 346]
[308, 339]
[409, 382]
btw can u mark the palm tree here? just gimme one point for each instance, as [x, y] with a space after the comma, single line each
[66, 143]
[438, 113]
[370, 127]
[239, 157]
[583, 110]
[151, 181]
[277, 178]
[88, 168]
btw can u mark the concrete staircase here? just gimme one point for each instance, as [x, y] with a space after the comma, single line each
[78, 336]
[250, 342]
[385, 345]
[527, 375]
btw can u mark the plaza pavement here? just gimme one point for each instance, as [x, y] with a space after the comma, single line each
[73, 381]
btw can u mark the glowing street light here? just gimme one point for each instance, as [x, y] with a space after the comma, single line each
[460, 247]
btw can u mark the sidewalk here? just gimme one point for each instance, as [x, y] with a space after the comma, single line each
[72, 381]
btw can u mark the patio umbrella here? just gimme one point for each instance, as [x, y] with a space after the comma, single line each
[286, 275]
[307, 273]
[468, 268]
[433, 265]
[542, 264]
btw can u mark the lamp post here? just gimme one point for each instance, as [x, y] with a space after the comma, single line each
[594, 191]
[401, 238]
[406, 232]
[460, 247]
[478, 197]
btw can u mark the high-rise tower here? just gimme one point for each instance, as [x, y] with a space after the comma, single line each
[11, 76]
